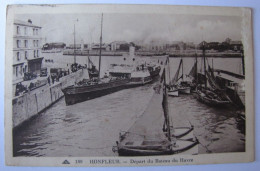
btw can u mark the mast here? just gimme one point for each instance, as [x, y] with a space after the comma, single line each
[169, 72]
[100, 44]
[182, 69]
[196, 69]
[212, 64]
[166, 109]
[204, 64]
[88, 60]
[75, 43]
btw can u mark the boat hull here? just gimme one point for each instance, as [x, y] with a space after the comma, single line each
[211, 102]
[179, 147]
[180, 132]
[173, 93]
[184, 90]
[183, 138]
[79, 94]
[139, 81]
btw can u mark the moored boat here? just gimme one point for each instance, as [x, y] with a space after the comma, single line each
[140, 77]
[152, 133]
[213, 95]
[183, 88]
[210, 98]
[92, 89]
[95, 86]
[139, 72]
[176, 85]
[173, 92]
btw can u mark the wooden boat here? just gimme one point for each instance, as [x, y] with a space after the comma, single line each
[211, 98]
[193, 74]
[182, 86]
[173, 92]
[152, 133]
[213, 95]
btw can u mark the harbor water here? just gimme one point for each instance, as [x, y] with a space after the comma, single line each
[91, 128]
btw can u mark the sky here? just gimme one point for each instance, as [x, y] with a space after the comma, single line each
[143, 28]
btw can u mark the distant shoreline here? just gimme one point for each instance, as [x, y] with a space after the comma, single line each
[171, 54]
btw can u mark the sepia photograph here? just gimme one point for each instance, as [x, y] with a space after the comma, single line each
[119, 84]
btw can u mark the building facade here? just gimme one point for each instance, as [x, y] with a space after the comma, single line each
[27, 55]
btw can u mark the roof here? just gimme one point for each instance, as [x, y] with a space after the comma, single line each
[231, 78]
[25, 23]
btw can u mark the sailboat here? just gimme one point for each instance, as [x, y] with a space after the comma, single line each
[193, 75]
[180, 86]
[212, 95]
[172, 90]
[89, 89]
[152, 133]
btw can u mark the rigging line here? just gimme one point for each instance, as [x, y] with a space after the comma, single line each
[207, 150]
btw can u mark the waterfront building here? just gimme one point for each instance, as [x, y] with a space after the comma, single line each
[54, 45]
[119, 46]
[26, 49]
[76, 46]
[104, 47]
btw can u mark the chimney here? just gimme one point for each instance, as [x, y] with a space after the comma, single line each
[30, 21]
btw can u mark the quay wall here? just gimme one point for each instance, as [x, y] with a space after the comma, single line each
[34, 102]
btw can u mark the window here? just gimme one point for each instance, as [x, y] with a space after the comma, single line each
[26, 43]
[18, 56]
[38, 54]
[18, 30]
[25, 30]
[21, 70]
[16, 71]
[37, 43]
[18, 43]
[35, 31]
[25, 68]
[26, 55]
[34, 53]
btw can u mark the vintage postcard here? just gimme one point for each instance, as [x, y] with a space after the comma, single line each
[128, 85]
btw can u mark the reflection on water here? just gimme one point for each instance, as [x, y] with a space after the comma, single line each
[91, 128]
[216, 129]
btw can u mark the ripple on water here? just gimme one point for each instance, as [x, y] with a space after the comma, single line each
[91, 128]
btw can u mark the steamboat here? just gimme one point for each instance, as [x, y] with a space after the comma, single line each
[94, 87]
